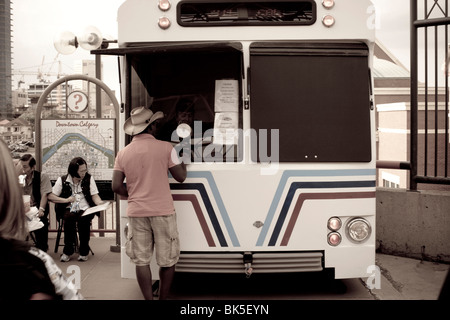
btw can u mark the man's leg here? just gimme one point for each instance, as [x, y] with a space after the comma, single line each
[165, 281]
[167, 251]
[41, 235]
[139, 249]
[144, 279]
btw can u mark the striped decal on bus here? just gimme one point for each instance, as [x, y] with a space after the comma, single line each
[306, 185]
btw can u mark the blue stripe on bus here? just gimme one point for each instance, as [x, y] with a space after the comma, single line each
[304, 173]
[223, 211]
[311, 185]
[216, 194]
[212, 215]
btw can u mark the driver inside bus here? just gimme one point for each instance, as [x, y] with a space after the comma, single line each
[185, 133]
[182, 125]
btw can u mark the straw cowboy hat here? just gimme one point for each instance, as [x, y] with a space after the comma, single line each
[139, 119]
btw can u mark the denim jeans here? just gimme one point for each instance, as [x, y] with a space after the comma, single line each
[72, 223]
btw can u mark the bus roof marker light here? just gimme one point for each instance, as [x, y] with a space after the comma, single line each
[164, 23]
[328, 4]
[328, 21]
[164, 5]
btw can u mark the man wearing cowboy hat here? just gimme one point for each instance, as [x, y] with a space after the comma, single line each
[145, 163]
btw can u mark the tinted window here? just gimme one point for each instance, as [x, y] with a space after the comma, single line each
[317, 96]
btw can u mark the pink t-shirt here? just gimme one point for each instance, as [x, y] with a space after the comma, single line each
[145, 163]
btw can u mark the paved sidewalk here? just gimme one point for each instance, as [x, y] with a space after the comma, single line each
[100, 276]
[409, 279]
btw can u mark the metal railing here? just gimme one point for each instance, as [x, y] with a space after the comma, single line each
[429, 123]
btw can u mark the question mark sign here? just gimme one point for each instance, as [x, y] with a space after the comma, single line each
[80, 98]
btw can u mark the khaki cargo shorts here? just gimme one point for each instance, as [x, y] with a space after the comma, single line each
[149, 234]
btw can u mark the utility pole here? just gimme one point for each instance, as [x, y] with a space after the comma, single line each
[98, 92]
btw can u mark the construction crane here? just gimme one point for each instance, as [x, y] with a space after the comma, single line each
[40, 73]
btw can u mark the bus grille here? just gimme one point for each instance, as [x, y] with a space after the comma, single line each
[280, 262]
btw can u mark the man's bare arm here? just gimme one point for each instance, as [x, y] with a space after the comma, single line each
[117, 183]
[179, 172]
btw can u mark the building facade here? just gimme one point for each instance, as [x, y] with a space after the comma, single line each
[19, 100]
[56, 98]
[16, 131]
[5, 60]
[393, 106]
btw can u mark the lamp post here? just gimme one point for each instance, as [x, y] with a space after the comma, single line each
[98, 75]
[91, 38]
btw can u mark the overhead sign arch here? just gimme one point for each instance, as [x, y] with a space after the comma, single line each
[72, 129]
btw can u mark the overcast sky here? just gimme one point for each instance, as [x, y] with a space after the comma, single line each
[392, 28]
[36, 22]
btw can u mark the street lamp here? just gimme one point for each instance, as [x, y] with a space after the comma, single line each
[66, 43]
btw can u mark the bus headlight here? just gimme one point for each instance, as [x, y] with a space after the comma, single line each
[334, 239]
[334, 223]
[358, 230]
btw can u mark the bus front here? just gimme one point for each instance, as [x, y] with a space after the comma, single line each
[281, 148]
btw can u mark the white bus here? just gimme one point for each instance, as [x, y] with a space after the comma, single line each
[282, 170]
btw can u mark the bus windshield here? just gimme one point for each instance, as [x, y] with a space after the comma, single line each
[189, 75]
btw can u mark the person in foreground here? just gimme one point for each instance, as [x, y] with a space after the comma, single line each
[145, 163]
[73, 194]
[27, 273]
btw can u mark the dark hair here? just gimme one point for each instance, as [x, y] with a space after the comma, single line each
[185, 105]
[29, 157]
[74, 165]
